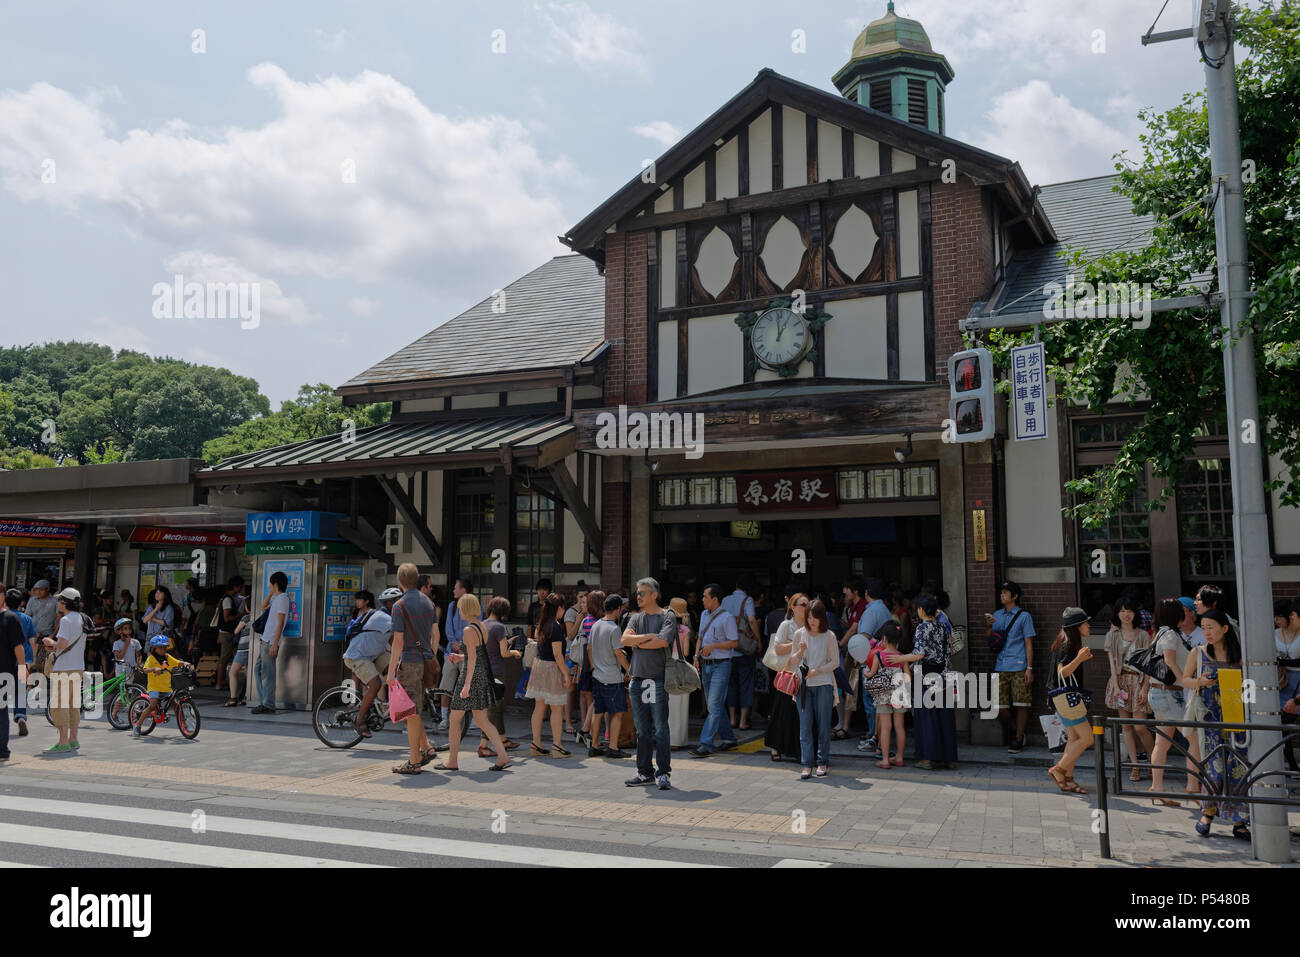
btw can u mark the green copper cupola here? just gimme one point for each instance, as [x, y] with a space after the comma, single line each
[894, 69]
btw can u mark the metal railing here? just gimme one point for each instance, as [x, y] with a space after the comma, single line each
[1211, 790]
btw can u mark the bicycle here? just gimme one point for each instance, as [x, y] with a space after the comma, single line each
[337, 708]
[179, 701]
[116, 693]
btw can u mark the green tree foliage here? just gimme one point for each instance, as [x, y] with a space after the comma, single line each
[316, 412]
[104, 407]
[1178, 361]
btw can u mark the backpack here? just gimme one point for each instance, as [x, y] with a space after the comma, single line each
[748, 644]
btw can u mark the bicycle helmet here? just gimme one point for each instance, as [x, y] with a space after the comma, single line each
[122, 621]
[159, 641]
[392, 592]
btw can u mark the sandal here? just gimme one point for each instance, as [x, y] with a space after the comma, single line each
[1164, 801]
[776, 755]
[884, 765]
[512, 745]
[805, 774]
[537, 751]
[1062, 782]
[820, 773]
[839, 734]
[1241, 832]
[1135, 774]
[427, 756]
[499, 767]
[408, 768]
[1203, 825]
[231, 703]
[444, 766]
[560, 752]
[896, 762]
[1075, 786]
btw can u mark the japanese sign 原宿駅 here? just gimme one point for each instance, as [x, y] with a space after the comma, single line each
[784, 491]
[1029, 391]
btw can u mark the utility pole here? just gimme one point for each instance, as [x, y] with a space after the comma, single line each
[1270, 835]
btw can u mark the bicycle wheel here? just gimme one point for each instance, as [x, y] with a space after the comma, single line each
[138, 707]
[119, 707]
[332, 717]
[187, 718]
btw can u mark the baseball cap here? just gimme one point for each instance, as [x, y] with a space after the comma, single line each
[43, 583]
[1188, 603]
[70, 594]
[1011, 587]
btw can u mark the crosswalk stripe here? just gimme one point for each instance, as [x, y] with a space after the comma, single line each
[161, 852]
[351, 837]
[4, 864]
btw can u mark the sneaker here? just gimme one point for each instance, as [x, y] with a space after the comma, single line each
[867, 746]
[662, 781]
[615, 753]
[75, 745]
[1017, 745]
[442, 725]
[700, 753]
[22, 727]
[872, 744]
[728, 745]
[58, 749]
[262, 709]
[640, 781]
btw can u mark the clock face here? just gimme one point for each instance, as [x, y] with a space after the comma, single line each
[780, 337]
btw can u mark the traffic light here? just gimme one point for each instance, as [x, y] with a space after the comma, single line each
[970, 395]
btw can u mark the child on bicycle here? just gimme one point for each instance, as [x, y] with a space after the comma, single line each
[158, 666]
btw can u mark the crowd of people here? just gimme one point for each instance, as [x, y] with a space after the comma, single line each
[807, 663]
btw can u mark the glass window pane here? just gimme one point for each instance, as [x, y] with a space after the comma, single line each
[852, 485]
[884, 483]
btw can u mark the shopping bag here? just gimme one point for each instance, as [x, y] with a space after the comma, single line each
[400, 705]
[1054, 730]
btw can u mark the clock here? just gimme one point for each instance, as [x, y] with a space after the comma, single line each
[780, 337]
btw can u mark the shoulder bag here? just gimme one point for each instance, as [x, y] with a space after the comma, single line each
[53, 656]
[431, 670]
[998, 639]
[771, 660]
[748, 644]
[1070, 700]
[1151, 662]
[496, 687]
[680, 676]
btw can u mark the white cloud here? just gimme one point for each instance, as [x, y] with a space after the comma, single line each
[453, 203]
[202, 267]
[578, 34]
[331, 41]
[363, 307]
[661, 131]
[1052, 138]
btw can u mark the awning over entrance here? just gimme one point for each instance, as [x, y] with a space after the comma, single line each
[404, 447]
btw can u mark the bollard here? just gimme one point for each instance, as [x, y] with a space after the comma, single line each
[1099, 754]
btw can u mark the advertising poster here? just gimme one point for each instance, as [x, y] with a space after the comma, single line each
[293, 569]
[341, 583]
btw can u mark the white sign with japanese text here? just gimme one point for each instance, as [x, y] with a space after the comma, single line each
[1029, 391]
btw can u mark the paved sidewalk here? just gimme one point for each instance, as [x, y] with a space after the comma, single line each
[976, 815]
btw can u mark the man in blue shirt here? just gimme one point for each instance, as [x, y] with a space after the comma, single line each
[717, 646]
[366, 655]
[1015, 663]
[740, 690]
[12, 602]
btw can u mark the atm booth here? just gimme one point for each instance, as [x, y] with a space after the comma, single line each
[323, 571]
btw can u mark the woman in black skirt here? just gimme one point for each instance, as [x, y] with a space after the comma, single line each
[935, 728]
[783, 723]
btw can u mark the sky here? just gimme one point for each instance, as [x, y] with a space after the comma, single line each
[376, 168]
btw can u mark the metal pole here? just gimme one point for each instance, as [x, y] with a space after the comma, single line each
[1271, 837]
[1103, 803]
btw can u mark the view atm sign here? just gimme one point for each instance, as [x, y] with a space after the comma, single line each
[292, 526]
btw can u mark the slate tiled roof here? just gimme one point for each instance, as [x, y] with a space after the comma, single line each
[396, 442]
[1086, 214]
[554, 316]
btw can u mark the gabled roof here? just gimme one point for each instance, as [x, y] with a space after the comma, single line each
[554, 317]
[1087, 214]
[768, 87]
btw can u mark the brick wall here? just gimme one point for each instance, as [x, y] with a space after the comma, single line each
[962, 253]
[625, 318]
[615, 535]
